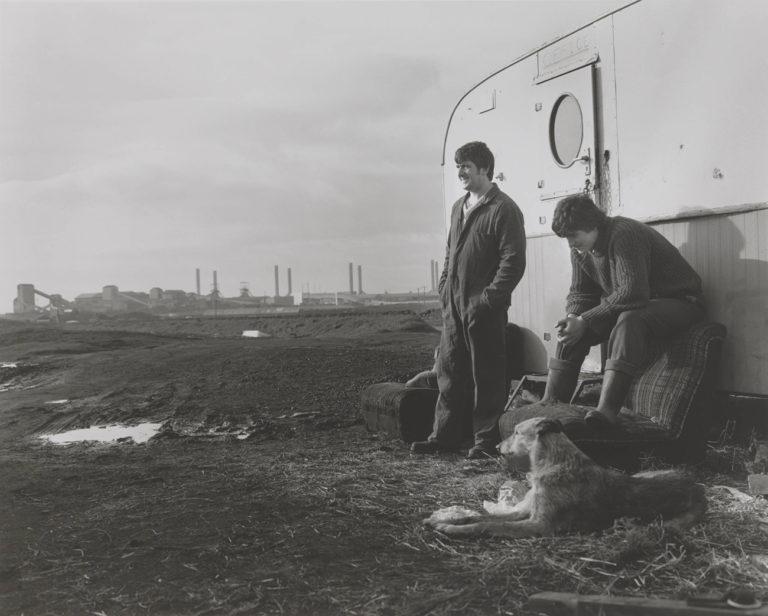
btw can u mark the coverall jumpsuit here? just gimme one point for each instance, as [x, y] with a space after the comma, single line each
[485, 259]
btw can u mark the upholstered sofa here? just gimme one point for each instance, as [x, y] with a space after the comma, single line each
[666, 415]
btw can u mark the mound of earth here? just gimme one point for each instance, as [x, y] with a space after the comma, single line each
[317, 323]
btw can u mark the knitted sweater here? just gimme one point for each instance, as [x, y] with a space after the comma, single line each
[630, 264]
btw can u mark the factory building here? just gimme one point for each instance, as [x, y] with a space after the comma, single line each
[111, 299]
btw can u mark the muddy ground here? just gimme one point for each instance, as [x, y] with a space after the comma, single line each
[265, 494]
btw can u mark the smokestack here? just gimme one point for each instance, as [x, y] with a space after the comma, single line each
[197, 280]
[359, 279]
[432, 273]
[277, 282]
[215, 281]
[351, 280]
[437, 274]
[290, 283]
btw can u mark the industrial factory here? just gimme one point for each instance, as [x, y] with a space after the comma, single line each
[176, 301]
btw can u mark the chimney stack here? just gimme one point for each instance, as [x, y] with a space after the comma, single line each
[351, 280]
[215, 283]
[432, 273]
[359, 279]
[277, 282]
[197, 280]
[290, 283]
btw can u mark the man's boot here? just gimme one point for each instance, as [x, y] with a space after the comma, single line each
[615, 388]
[561, 380]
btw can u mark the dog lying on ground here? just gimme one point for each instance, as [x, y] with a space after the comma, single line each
[571, 493]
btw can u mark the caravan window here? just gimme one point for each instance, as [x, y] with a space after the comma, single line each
[566, 130]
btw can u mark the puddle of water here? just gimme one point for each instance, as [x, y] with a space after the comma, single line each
[57, 401]
[255, 333]
[140, 434]
[8, 364]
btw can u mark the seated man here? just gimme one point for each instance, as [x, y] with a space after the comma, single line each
[629, 285]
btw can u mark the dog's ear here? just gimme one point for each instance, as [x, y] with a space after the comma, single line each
[549, 425]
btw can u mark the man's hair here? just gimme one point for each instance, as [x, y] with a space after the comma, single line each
[576, 213]
[476, 152]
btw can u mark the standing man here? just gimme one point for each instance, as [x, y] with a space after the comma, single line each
[629, 286]
[484, 261]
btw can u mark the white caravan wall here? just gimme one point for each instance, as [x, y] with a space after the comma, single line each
[681, 90]
[692, 84]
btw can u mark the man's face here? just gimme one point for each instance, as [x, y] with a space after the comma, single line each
[470, 176]
[582, 241]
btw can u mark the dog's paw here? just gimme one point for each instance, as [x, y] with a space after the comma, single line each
[458, 530]
[500, 508]
[513, 491]
[452, 516]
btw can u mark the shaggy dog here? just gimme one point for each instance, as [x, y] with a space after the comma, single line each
[571, 493]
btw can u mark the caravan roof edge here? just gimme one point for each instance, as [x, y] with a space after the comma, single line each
[520, 59]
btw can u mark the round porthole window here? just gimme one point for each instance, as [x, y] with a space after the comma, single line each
[566, 130]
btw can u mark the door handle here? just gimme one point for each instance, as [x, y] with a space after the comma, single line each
[587, 160]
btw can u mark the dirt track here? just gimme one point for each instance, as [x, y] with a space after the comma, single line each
[85, 507]
[307, 514]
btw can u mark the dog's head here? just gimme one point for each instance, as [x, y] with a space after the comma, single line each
[517, 448]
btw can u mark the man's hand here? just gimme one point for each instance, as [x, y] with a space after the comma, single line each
[570, 329]
[477, 307]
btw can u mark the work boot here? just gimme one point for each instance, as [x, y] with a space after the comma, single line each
[561, 380]
[482, 452]
[615, 388]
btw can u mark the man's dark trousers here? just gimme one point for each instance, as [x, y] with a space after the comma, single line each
[470, 375]
[629, 338]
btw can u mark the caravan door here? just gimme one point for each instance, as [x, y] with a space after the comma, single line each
[566, 117]
[567, 141]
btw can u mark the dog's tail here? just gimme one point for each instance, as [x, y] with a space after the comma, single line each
[671, 494]
[695, 512]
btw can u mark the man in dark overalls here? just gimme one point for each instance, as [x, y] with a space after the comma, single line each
[485, 259]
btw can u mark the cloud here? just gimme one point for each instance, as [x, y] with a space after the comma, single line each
[141, 140]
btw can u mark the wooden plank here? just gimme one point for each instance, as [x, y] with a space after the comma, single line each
[562, 604]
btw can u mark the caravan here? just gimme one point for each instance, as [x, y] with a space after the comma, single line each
[658, 111]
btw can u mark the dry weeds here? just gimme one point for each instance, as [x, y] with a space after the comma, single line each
[333, 527]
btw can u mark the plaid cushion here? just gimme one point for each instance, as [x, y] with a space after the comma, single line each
[679, 378]
[632, 428]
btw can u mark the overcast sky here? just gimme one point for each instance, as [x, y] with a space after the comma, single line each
[139, 141]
